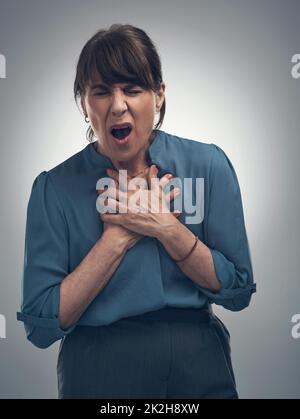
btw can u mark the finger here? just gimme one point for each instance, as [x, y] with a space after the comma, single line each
[113, 174]
[165, 179]
[109, 192]
[118, 177]
[172, 194]
[115, 207]
[137, 184]
[102, 190]
[152, 179]
[176, 213]
[117, 194]
[108, 189]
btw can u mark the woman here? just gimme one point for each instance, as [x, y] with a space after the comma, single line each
[129, 290]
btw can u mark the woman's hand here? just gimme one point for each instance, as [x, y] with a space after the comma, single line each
[143, 211]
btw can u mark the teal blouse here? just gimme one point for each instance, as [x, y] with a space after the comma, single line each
[63, 224]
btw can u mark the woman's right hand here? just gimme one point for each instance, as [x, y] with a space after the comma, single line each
[122, 234]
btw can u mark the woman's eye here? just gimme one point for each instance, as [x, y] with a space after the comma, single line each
[132, 92]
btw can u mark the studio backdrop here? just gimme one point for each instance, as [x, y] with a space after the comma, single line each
[232, 75]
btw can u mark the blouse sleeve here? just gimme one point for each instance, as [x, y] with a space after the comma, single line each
[227, 238]
[45, 264]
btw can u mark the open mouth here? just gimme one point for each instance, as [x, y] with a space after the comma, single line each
[121, 133]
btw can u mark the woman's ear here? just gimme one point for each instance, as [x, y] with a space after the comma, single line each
[160, 96]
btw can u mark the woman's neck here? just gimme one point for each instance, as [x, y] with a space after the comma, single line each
[135, 166]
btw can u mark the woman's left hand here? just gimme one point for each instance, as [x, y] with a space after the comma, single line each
[151, 214]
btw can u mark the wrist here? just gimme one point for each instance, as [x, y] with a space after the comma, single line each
[169, 230]
[117, 244]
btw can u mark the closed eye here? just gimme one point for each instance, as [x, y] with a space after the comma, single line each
[133, 92]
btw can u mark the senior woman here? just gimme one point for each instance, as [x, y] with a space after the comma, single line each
[129, 290]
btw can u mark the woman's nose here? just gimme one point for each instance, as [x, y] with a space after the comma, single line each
[118, 105]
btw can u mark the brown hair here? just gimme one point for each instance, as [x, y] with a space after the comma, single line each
[122, 53]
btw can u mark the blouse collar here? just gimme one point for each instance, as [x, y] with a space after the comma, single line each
[157, 152]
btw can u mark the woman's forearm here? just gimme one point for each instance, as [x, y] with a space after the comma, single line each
[81, 286]
[178, 240]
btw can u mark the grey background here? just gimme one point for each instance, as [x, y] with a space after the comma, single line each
[227, 68]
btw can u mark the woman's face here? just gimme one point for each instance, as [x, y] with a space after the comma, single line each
[121, 103]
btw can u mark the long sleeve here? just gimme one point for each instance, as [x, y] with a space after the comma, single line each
[45, 264]
[226, 236]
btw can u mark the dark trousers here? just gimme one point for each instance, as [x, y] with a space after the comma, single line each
[165, 354]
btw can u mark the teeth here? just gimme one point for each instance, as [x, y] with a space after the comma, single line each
[122, 127]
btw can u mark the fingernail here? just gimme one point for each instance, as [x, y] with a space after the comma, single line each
[169, 176]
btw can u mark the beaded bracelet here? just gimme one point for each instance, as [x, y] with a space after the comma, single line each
[192, 249]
